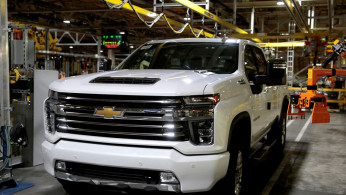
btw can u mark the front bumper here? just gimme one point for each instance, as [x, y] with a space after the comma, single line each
[195, 173]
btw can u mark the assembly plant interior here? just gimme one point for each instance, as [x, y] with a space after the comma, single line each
[173, 96]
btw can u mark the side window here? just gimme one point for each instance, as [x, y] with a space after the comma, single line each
[261, 62]
[250, 64]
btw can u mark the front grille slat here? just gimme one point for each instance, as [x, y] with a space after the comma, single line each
[132, 117]
[113, 173]
[116, 124]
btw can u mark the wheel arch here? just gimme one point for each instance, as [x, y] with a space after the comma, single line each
[243, 119]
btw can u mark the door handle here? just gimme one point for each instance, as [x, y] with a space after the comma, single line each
[241, 82]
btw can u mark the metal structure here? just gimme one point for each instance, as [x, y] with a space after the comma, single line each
[212, 16]
[311, 99]
[75, 38]
[295, 10]
[290, 57]
[5, 171]
[170, 22]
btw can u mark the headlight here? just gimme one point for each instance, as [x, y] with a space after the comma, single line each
[50, 110]
[199, 112]
[194, 112]
[202, 100]
[53, 94]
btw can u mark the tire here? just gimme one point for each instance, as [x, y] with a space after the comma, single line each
[278, 133]
[236, 178]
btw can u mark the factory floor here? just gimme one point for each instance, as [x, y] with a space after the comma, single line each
[314, 162]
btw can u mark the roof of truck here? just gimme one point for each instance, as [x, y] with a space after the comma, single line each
[203, 40]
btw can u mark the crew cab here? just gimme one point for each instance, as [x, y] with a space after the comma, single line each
[178, 115]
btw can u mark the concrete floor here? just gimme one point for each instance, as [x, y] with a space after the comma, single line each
[314, 162]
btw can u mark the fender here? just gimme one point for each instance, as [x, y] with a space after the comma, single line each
[241, 116]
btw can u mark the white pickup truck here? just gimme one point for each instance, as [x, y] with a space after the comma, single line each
[177, 115]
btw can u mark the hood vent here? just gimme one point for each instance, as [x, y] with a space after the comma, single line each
[125, 80]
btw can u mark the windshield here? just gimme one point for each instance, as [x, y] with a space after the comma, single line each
[214, 57]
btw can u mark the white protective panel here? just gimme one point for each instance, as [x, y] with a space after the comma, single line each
[42, 79]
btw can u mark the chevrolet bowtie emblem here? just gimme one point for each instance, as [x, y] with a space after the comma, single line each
[108, 113]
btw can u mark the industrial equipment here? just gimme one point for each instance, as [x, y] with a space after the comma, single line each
[312, 98]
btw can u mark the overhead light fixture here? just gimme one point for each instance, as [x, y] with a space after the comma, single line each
[131, 46]
[280, 3]
[152, 14]
[187, 19]
[101, 51]
[122, 32]
[71, 47]
[67, 21]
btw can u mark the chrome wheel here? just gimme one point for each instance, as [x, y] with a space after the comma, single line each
[238, 174]
[283, 132]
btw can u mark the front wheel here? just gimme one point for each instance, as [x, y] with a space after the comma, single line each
[235, 181]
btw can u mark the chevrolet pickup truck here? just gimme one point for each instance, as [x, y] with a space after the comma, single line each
[179, 115]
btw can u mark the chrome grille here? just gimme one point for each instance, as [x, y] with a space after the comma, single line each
[141, 117]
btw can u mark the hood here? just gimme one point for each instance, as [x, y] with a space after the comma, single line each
[161, 83]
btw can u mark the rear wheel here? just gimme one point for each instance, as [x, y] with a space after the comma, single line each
[278, 133]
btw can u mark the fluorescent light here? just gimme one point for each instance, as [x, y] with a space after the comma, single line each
[71, 47]
[122, 32]
[280, 3]
[67, 21]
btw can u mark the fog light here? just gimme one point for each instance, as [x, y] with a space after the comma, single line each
[166, 177]
[60, 165]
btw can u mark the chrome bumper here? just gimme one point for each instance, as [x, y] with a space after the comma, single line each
[118, 184]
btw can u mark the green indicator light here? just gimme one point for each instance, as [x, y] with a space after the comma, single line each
[112, 36]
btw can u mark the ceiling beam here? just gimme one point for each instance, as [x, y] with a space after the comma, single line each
[153, 15]
[331, 14]
[270, 4]
[284, 35]
[294, 9]
[209, 15]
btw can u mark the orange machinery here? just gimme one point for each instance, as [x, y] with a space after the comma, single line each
[312, 99]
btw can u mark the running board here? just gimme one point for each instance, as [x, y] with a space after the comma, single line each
[262, 150]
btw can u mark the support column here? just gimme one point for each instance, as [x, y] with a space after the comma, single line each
[98, 53]
[235, 12]
[46, 63]
[111, 57]
[252, 20]
[4, 67]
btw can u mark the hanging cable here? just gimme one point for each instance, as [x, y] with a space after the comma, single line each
[6, 159]
[120, 5]
[151, 23]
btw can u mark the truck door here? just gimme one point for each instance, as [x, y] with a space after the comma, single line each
[261, 94]
[272, 94]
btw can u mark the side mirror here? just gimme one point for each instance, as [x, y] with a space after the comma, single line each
[276, 67]
[276, 73]
[270, 80]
